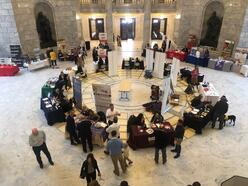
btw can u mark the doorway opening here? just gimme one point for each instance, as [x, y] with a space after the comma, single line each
[127, 28]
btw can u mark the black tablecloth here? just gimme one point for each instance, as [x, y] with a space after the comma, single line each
[53, 114]
[196, 122]
[141, 139]
[132, 64]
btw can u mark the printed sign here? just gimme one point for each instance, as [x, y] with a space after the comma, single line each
[77, 92]
[102, 94]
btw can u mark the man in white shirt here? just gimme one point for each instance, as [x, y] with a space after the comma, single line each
[111, 113]
[114, 127]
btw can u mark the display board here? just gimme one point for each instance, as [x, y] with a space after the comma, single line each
[175, 69]
[16, 55]
[113, 63]
[160, 60]
[166, 95]
[149, 59]
[102, 94]
[77, 92]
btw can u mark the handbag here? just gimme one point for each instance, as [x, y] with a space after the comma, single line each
[83, 175]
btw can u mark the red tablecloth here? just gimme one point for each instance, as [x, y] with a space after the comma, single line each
[141, 139]
[177, 54]
[8, 70]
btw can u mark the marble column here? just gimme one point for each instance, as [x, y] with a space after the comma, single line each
[147, 22]
[109, 23]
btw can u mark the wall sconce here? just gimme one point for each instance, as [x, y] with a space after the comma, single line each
[78, 17]
[178, 16]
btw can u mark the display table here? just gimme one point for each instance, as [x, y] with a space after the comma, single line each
[244, 70]
[197, 61]
[131, 63]
[99, 136]
[125, 88]
[140, 138]
[38, 65]
[176, 54]
[197, 121]
[53, 113]
[209, 93]
[8, 70]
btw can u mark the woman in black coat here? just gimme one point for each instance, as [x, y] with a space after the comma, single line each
[89, 168]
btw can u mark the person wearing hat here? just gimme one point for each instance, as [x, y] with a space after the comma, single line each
[219, 111]
[37, 140]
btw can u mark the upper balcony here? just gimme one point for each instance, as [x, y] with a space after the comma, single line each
[127, 6]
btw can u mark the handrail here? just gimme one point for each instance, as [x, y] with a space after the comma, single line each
[129, 2]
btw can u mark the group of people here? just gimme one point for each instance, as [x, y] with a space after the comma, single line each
[218, 111]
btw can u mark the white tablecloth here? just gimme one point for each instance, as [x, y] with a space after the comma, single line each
[39, 64]
[244, 70]
[209, 93]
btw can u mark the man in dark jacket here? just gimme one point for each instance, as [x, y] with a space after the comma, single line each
[219, 110]
[179, 133]
[84, 132]
[161, 141]
[71, 128]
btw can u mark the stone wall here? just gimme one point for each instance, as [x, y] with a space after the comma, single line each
[192, 16]
[64, 16]
[243, 40]
[8, 31]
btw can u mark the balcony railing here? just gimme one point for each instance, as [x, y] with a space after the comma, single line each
[128, 5]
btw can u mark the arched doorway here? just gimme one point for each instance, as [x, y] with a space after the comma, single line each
[212, 23]
[45, 24]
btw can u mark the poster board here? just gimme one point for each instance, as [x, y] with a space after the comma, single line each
[149, 59]
[77, 92]
[102, 95]
[113, 63]
[175, 69]
[166, 95]
[160, 60]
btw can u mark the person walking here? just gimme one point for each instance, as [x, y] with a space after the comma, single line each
[53, 57]
[126, 155]
[161, 141]
[71, 128]
[179, 133]
[37, 140]
[89, 168]
[114, 147]
[85, 134]
[219, 111]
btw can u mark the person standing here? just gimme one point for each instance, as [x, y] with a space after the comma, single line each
[37, 140]
[179, 133]
[89, 168]
[53, 58]
[194, 76]
[219, 111]
[111, 113]
[113, 127]
[71, 128]
[85, 134]
[161, 141]
[114, 147]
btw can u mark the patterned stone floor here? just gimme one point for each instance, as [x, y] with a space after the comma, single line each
[128, 108]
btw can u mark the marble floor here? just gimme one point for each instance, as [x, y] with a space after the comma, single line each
[209, 158]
